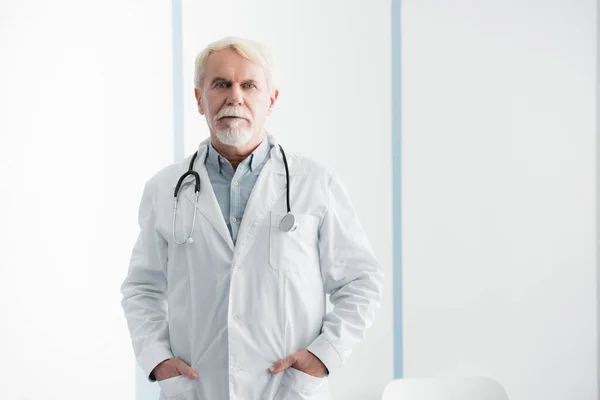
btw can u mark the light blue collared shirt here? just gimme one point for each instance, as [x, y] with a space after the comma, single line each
[233, 188]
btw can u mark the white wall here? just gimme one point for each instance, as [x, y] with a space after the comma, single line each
[335, 61]
[499, 206]
[85, 119]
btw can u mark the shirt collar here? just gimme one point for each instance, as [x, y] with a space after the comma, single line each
[259, 154]
[213, 157]
[254, 159]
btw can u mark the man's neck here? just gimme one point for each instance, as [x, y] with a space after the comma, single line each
[235, 155]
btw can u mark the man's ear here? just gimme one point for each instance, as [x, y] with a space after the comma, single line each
[198, 96]
[273, 99]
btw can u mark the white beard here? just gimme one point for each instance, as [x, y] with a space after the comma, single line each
[235, 135]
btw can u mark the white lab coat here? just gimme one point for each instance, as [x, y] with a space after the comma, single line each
[232, 311]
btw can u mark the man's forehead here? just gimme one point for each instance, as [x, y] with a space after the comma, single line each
[228, 63]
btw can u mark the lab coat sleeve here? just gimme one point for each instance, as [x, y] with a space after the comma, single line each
[352, 277]
[144, 291]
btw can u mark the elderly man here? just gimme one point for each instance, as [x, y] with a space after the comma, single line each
[239, 244]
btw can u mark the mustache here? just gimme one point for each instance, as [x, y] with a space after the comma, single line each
[233, 112]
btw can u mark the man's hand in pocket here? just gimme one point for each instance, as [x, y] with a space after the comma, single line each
[304, 361]
[173, 367]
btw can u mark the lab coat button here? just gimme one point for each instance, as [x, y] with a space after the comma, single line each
[236, 369]
[236, 317]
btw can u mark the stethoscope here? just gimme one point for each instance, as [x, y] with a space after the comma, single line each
[288, 222]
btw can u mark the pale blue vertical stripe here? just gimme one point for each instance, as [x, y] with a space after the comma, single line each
[144, 390]
[396, 185]
[597, 192]
[178, 147]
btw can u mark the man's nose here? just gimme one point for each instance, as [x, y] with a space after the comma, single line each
[236, 96]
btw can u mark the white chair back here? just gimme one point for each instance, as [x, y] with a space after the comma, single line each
[476, 388]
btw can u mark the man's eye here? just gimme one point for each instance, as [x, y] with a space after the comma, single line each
[250, 85]
[221, 85]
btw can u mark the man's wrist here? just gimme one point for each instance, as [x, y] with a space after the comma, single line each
[321, 361]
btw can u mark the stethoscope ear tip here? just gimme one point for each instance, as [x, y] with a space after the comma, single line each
[190, 240]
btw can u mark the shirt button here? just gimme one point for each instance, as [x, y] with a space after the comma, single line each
[236, 183]
[234, 219]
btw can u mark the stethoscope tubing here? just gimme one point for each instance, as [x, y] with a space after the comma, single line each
[288, 223]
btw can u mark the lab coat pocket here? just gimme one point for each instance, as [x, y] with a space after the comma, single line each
[296, 250]
[297, 385]
[177, 388]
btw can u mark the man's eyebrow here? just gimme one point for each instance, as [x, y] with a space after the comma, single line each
[219, 79]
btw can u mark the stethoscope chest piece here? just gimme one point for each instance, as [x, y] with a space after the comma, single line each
[288, 223]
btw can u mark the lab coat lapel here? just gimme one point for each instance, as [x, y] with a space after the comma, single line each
[268, 188]
[207, 201]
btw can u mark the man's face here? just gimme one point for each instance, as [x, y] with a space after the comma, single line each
[234, 98]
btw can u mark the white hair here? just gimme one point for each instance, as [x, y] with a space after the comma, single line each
[254, 51]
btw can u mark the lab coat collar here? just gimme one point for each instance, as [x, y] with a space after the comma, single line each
[294, 164]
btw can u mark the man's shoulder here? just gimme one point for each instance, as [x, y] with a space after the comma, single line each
[169, 174]
[310, 166]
